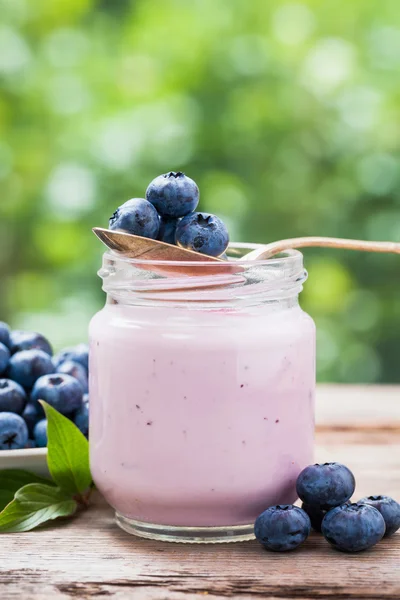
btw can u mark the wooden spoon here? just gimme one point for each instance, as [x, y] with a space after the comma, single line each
[170, 256]
[324, 242]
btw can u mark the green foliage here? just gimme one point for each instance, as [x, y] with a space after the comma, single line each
[33, 505]
[12, 480]
[68, 453]
[285, 114]
[27, 500]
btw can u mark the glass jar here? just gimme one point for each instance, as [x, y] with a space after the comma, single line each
[202, 389]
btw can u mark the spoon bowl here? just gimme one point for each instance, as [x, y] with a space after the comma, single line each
[167, 256]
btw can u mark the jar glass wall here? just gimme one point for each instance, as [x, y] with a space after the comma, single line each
[201, 393]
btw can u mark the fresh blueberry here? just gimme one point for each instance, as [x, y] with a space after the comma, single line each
[30, 444]
[12, 397]
[173, 194]
[13, 431]
[5, 334]
[40, 433]
[79, 354]
[326, 486]
[62, 392]
[28, 340]
[137, 216]
[202, 233]
[389, 509]
[75, 369]
[283, 527]
[27, 366]
[82, 418]
[353, 527]
[31, 416]
[167, 230]
[4, 358]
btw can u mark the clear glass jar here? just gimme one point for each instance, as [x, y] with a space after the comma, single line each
[201, 393]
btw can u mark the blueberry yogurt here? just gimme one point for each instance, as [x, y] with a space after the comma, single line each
[202, 395]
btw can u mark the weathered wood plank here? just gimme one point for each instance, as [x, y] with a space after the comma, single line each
[90, 557]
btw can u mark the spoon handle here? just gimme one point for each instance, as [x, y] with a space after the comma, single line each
[326, 242]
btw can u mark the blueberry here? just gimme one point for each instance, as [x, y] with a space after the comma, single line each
[389, 509]
[40, 433]
[167, 230]
[30, 444]
[5, 334]
[82, 418]
[28, 340]
[13, 431]
[326, 486]
[4, 357]
[31, 416]
[173, 194]
[76, 370]
[79, 354]
[62, 392]
[353, 527]
[136, 216]
[202, 233]
[27, 366]
[283, 527]
[12, 396]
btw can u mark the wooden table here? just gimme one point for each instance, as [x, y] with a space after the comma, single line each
[89, 557]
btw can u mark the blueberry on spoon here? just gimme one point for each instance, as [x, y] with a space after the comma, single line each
[203, 233]
[138, 217]
[173, 194]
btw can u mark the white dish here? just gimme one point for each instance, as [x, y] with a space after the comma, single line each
[30, 459]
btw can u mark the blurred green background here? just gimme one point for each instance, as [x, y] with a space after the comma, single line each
[286, 115]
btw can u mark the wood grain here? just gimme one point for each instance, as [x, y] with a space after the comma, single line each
[90, 558]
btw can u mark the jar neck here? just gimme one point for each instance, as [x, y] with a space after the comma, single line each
[239, 304]
[275, 282]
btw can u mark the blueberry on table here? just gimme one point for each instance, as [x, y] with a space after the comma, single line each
[13, 431]
[62, 392]
[136, 216]
[40, 433]
[202, 233]
[79, 354]
[282, 528]
[12, 396]
[81, 418]
[389, 509]
[4, 357]
[5, 334]
[167, 230]
[31, 416]
[27, 366]
[173, 194]
[76, 370]
[353, 527]
[29, 340]
[326, 485]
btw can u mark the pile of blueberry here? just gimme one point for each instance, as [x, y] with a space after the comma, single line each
[326, 491]
[28, 373]
[167, 214]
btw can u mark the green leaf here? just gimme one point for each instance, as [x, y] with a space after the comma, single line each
[11, 480]
[33, 505]
[67, 453]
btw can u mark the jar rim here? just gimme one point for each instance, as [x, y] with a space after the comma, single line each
[235, 248]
